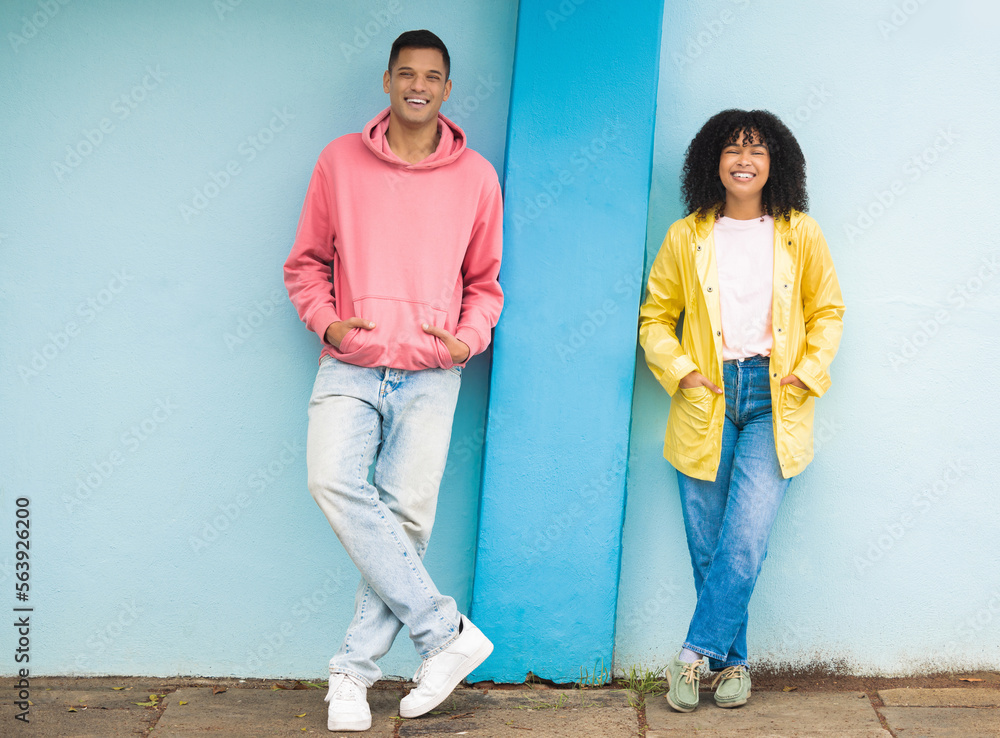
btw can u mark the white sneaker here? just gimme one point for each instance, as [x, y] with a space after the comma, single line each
[348, 698]
[441, 673]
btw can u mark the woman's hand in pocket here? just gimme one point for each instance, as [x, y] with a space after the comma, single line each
[792, 379]
[697, 379]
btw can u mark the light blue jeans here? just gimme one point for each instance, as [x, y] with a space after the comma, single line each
[728, 521]
[401, 421]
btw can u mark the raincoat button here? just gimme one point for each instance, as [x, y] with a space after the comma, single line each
[709, 289]
[699, 248]
[718, 333]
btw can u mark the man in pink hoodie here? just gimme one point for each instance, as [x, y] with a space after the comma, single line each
[395, 267]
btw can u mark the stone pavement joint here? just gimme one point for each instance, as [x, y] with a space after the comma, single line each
[254, 708]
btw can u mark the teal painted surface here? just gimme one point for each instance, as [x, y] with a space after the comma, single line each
[159, 426]
[577, 179]
[883, 559]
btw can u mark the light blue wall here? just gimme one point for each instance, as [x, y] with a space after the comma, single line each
[884, 557]
[168, 354]
[577, 179]
[169, 363]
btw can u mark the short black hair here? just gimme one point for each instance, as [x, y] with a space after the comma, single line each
[785, 189]
[422, 39]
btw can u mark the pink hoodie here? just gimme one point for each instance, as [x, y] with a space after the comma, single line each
[408, 244]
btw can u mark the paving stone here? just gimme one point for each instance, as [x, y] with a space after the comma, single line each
[943, 722]
[521, 713]
[771, 715]
[262, 712]
[107, 713]
[951, 697]
[106, 698]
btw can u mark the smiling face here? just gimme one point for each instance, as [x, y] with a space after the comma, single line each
[744, 166]
[417, 85]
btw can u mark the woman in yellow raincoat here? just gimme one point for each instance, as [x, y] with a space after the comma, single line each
[762, 318]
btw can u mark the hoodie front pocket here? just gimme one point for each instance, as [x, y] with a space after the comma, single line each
[398, 339]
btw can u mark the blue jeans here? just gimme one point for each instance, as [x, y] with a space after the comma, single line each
[728, 521]
[401, 421]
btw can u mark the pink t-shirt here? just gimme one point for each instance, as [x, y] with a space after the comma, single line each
[744, 254]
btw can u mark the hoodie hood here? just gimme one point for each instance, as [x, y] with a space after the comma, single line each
[449, 148]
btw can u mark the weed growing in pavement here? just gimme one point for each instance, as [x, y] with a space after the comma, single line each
[639, 682]
[600, 677]
[540, 705]
[587, 681]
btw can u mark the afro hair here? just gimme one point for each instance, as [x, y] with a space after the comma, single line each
[785, 190]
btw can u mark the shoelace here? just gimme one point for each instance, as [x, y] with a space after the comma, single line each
[346, 690]
[423, 666]
[690, 671]
[420, 671]
[733, 672]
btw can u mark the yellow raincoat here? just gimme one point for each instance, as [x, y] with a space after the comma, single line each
[807, 312]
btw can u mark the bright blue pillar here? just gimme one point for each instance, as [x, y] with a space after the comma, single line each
[579, 154]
